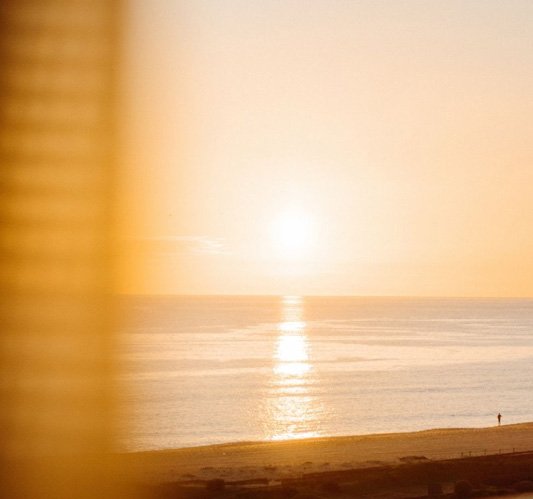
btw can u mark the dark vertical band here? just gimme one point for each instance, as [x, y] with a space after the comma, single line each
[57, 163]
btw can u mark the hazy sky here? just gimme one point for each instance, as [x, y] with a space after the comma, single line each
[330, 147]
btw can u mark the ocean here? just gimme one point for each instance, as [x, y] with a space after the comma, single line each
[216, 369]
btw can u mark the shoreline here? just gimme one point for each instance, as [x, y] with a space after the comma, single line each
[285, 459]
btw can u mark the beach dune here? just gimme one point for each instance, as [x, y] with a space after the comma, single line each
[291, 458]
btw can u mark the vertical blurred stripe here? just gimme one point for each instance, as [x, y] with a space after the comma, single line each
[57, 78]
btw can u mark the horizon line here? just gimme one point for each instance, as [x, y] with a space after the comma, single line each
[303, 295]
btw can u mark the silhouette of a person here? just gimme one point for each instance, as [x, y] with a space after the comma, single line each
[499, 419]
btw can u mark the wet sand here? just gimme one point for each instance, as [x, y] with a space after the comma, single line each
[294, 458]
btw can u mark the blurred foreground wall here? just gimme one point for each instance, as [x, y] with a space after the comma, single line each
[57, 75]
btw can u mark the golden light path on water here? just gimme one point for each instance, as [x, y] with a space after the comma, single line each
[292, 410]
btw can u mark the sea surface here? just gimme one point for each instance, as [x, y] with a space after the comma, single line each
[204, 370]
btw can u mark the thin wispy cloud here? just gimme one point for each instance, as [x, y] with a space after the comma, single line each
[187, 244]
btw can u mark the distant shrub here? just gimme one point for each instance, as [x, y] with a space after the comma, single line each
[463, 489]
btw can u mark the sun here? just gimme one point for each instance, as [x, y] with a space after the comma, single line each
[292, 234]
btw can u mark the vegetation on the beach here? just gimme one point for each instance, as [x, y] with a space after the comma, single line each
[458, 478]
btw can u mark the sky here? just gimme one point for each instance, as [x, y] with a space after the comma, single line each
[328, 147]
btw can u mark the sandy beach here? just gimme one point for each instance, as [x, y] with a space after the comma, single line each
[293, 458]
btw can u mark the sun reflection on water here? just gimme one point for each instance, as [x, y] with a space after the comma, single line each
[291, 354]
[292, 410]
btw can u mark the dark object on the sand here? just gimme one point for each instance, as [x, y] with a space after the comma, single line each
[499, 418]
[248, 481]
[330, 487]
[523, 486]
[413, 459]
[216, 485]
[434, 489]
[463, 488]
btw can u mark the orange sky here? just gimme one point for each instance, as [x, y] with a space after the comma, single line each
[329, 147]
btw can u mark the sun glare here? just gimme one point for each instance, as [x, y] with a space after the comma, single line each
[293, 234]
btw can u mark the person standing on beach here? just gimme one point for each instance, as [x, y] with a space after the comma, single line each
[499, 419]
